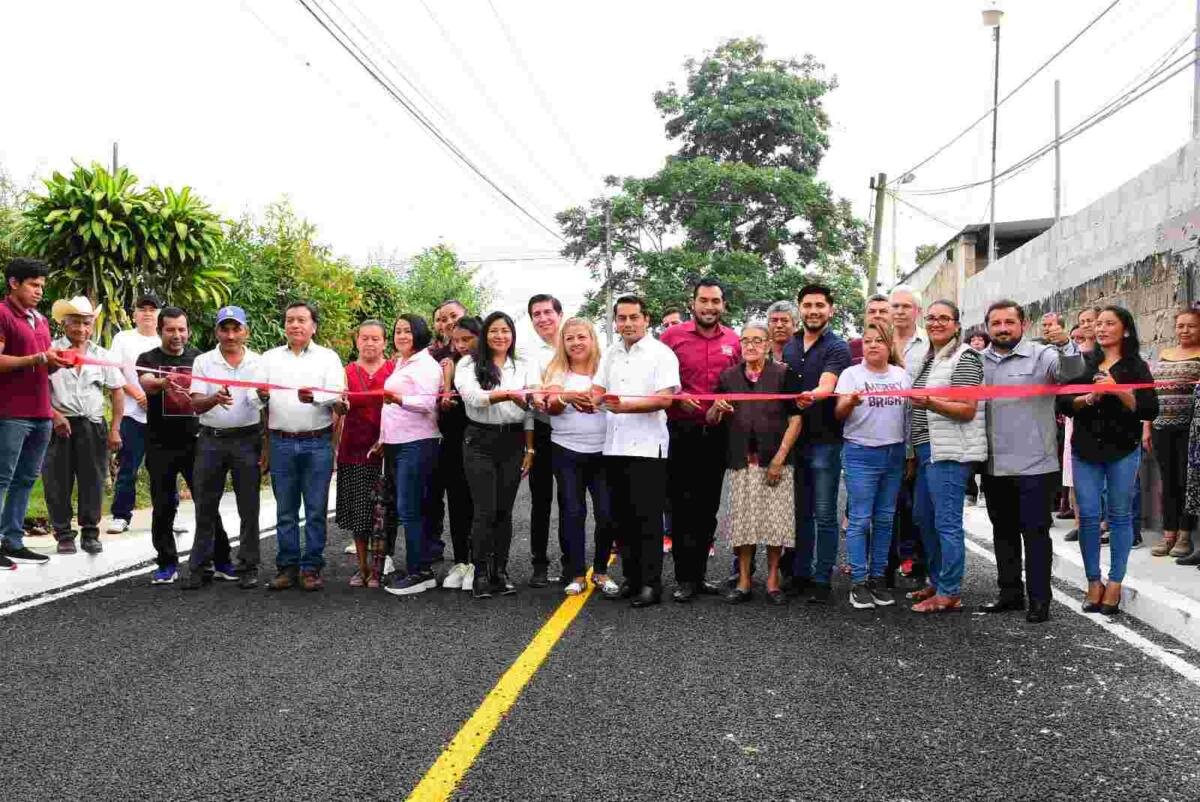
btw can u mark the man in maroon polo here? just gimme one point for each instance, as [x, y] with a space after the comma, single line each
[696, 457]
[26, 361]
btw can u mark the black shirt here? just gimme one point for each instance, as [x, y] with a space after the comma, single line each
[1109, 430]
[176, 427]
[829, 354]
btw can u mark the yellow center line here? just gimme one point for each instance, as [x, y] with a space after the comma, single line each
[458, 756]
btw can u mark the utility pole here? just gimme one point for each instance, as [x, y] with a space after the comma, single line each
[114, 169]
[1196, 78]
[895, 258]
[1058, 156]
[995, 112]
[608, 299]
[880, 186]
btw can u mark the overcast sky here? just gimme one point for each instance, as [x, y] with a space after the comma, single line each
[247, 101]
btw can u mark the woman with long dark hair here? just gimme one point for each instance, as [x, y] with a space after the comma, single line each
[1106, 450]
[410, 438]
[452, 420]
[497, 446]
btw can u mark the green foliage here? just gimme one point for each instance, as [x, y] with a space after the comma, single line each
[740, 201]
[108, 240]
[382, 295]
[12, 198]
[436, 275]
[925, 252]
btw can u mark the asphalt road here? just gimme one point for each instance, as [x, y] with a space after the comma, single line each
[138, 692]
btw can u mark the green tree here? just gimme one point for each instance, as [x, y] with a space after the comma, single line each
[12, 199]
[740, 201]
[925, 252]
[108, 240]
[436, 275]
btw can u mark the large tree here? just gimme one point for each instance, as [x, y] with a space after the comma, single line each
[739, 201]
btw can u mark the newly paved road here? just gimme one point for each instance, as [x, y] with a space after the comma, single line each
[137, 692]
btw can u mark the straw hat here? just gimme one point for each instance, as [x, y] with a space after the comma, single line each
[79, 305]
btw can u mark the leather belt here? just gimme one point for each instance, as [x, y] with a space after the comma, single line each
[498, 427]
[237, 431]
[309, 435]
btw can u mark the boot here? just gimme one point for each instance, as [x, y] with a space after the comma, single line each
[1165, 544]
[1183, 545]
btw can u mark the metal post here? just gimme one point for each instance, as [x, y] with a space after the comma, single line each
[876, 234]
[115, 162]
[895, 258]
[608, 299]
[995, 111]
[1057, 157]
[1196, 78]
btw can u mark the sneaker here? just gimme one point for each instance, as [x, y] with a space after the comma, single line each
[118, 526]
[454, 579]
[226, 572]
[574, 588]
[667, 544]
[91, 545]
[504, 584]
[818, 593]
[1137, 542]
[310, 579]
[860, 597]
[66, 545]
[879, 593]
[412, 584]
[481, 589]
[24, 555]
[468, 580]
[389, 567]
[194, 581]
[164, 576]
[7, 564]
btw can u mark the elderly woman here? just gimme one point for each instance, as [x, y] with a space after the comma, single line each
[761, 436]
[947, 435]
[782, 319]
[1167, 436]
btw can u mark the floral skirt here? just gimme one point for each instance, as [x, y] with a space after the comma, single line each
[760, 515]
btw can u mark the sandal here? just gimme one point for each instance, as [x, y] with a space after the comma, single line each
[927, 592]
[939, 604]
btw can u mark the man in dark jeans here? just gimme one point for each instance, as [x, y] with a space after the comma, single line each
[230, 442]
[545, 313]
[696, 462]
[165, 375]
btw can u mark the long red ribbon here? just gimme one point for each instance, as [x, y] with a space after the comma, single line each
[988, 392]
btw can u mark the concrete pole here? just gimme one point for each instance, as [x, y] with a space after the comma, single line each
[876, 234]
[1058, 156]
[995, 112]
[608, 298]
[115, 162]
[1196, 78]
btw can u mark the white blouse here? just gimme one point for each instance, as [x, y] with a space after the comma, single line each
[517, 374]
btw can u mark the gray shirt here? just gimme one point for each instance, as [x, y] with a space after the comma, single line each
[1022, 433]
[915, 351]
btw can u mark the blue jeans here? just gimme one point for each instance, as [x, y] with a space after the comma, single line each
[577, 474]
[938, 512]
[818, 467]
[23, 443]
[873, 478]
[1121, 476]
[129, 459]
[414, 466]
[300, 471]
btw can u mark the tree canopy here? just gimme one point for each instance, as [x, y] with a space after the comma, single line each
[739, 201]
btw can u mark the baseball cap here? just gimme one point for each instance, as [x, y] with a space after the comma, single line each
[235, 313]
[149, 299]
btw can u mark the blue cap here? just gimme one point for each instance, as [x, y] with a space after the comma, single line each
[231, 313]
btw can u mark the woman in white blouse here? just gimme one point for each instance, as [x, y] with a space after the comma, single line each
[497, 446]
[577, 445]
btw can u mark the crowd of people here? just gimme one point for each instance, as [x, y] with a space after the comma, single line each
[441, 423]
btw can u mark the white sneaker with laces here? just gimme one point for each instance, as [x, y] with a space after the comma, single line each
[454, 579]
[468, 580]
[118, 526]
[610, 587]
[573, 589]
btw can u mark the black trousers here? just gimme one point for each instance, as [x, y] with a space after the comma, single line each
[217, 457]
[450, 490]
[492, 461]
[637, 487]
[1171, 452]
[1019, 508]
[695, 471]
[541, 491]
[84, 457]
[166, 463]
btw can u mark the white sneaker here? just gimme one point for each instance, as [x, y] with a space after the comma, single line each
[118, 526]
[454, 579]
[573, 589]
[389, 567]
[468, 579]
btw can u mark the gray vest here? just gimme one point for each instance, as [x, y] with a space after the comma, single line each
[950, 440]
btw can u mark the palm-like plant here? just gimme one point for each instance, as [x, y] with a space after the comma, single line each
[108, 240]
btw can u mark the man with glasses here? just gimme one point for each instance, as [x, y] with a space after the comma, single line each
[696, 460]
[819, 356]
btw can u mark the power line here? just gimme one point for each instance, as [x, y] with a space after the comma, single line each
[543, 100]
[372, 69]
[919, 210]
[1018, 88]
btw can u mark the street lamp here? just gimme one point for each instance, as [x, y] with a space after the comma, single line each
[991, 19]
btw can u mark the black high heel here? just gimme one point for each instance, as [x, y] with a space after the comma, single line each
[1111, 609]
[1096, 606]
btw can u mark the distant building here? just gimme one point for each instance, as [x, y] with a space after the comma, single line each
[945, 274]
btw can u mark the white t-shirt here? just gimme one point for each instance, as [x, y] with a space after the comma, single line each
[878, 420]
[126, 347]
[644, 369]
[578, 431]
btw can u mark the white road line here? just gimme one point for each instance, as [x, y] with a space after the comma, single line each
[1147, 647]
